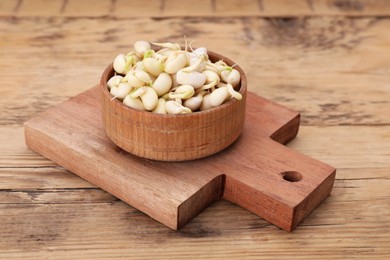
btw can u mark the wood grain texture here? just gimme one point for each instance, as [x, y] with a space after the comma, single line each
[297, 74]
[174, 8]
[332, 68]
[272, 181]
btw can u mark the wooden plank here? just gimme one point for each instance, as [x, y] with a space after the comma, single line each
[288, 8]
[220, 8]
[234, 7]
[40, 7]
[280, 8]
[297, 74]
[352, 7]
[367, 146]
[90, 8]
[223, 229]
[14, 152]
[135, 8]
[359, 141]
[56, 196]
[39, 178]
[187, 8]
[8, 7]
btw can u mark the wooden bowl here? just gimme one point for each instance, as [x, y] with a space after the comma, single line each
[173, 137]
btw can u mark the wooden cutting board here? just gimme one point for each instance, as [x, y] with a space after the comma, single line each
[257, 172]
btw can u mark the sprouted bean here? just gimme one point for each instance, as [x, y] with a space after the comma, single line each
[172, 80]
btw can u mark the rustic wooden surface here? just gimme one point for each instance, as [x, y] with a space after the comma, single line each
[272, 181]
[328, 59]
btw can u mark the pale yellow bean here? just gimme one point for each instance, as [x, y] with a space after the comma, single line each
[175, 62]
[137, 92]
[141, 47]
[135, 103]
[175, 108]
[194, 103]
[152, 66]
[211, 76]
[119, 64]
[182, 92]
[196, 63]
[218, 96]
[162, 84]
[231, 77]
[234, 94]
[168, 45]
[193, 78]
[149, 99]
[121, 90]
[201, 52]
[142, 75]
[174, 81]
[160, 108]
[133, 80]
[139, 65]
[205, 103]
[166, 52]
[234, 78]
[114, 81]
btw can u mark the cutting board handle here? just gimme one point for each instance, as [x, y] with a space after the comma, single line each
[278, 183]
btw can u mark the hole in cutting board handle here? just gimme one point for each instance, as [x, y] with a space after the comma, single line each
[292, 176]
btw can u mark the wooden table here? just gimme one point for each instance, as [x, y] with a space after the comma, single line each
[328, 59]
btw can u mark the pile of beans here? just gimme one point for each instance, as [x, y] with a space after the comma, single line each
[172, 80]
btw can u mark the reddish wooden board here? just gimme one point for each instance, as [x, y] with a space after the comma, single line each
[257, 172]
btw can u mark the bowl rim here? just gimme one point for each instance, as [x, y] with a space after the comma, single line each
[216, 56]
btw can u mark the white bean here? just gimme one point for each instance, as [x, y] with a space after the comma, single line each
[175, 108]
[160, 108]
[138, 92]
[162, 84]
[194, 78]
[194, 103]
[196, 63]
[168, 45]
[174, 81]
[120, 64]
[142, 75]
[201, 51]
[166, 52]
[135, 103]
[234, 94]
[139, 65]
[141, 47]
[175, 62]
[133, 80]
[205, 103]
[211, 76]
[234, 78]
[121, 90]
[114, 81]
[231, 77]
[218, 96]
[149, 99]
[153, 66]
[182, 92]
